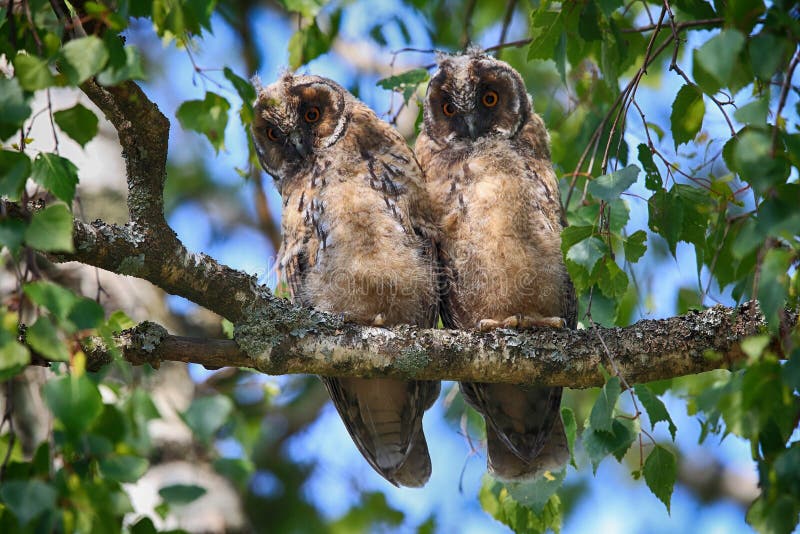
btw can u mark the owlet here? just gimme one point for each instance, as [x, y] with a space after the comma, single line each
[358, 241]
[492, 188]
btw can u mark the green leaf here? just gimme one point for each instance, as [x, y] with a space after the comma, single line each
[208, 117]
[571, 430]
[767, 52]
[635, 246]
[14, 108]
[12, 234]
[28, 499]
[75, 401]
[123, 468]
[753, 113]
[86, 314]
[588, 22]
[610, 186]
[574, 234]
[83, 58]
[32, 72]
[405, 83]
[178, 494]
[306, 8]
[753, 160]
[652, 180]
[57, 299]
[602, 414]
[43, 338]
[587, 252]
[535, 493]
[58, 175]
[308, 43]
[687, 114]
[51, 230]
[237, 470]
[245, 91]
[14, 358]
[660, 471]
[612, 280]
[656, 410]
[715, 60]
[207, 414]
[497, 501]
[124, 63]
[547, 27]
[599, 444]
[78, 122]
[15, 167]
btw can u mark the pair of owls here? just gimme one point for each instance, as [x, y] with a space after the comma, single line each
[466, 227]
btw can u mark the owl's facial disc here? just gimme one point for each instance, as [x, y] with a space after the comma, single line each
[295, 118]
[473, 97]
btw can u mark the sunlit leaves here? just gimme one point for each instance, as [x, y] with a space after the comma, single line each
[83, 58]
[687, 114]
[57, 174]
[208, 117]
[498, 502]
[51, 229]
[306, 8]
[311, 41]
[32, 72]
[635, 246]
[536, 493]
[79, 123]
[43, 337]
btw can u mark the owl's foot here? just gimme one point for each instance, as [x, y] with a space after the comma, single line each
[521, 322]
[378, 320]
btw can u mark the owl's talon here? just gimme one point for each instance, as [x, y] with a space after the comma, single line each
[379, 320]
[486, 325]
[522, 322]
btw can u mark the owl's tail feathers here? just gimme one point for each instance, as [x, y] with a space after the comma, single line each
[505, 465]
[416, 470]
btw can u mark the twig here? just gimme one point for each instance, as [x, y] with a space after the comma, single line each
[782, 101]
[509, 15]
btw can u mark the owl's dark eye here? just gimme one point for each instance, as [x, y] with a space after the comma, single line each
[490, 99]
[312, 115]
[448, 109]
[271, 135]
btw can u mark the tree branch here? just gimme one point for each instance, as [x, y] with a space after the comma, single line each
[648, 350]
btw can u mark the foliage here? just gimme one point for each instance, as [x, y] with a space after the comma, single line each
[729, 193]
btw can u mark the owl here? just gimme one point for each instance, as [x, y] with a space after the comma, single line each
[358, 240]
[492, 188]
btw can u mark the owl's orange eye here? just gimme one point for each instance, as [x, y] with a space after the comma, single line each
[448, 109]
[490, 99]
[271, 135]
[312, 115]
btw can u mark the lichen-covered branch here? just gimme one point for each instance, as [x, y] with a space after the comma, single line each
[648, 350]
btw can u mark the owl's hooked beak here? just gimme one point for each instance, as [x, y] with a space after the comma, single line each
[296, 138]
[469, 120]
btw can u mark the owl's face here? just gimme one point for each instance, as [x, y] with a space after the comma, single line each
[473, 96]
[295, 118]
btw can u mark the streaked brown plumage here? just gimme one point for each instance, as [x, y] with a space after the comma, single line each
[491, 184]
[357, 241]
